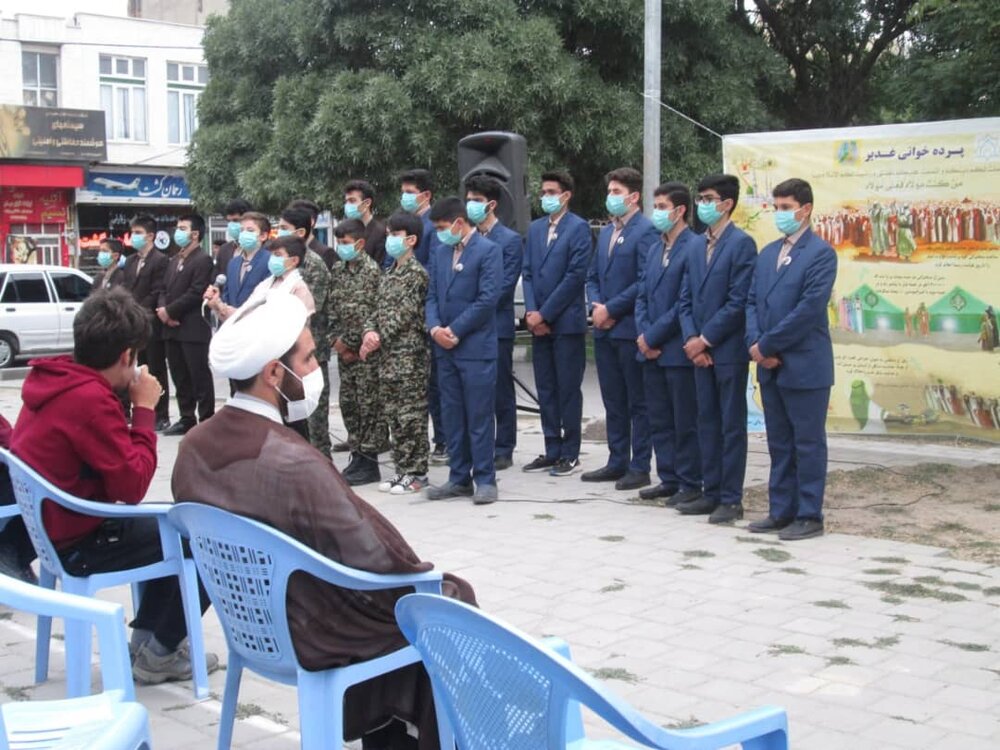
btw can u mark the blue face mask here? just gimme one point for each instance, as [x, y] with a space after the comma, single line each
[121, 262]
[182, 237]
[476, 211]
[616, 205]
[709, 213]
[448, 237]
[346, 251]
[285, 232]
[138, 241]
[352, 211]
[276, 265]
[409, 202]
[786, 222]
[395, 246]
[104, 259]
[662, 220]
[248, 239]
[233, 230]
[551, 204]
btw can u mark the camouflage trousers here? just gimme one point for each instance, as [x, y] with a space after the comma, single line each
[319, 420]
[361, 408]
[403, 378]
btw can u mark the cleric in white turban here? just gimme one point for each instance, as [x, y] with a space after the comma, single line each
[247, 461]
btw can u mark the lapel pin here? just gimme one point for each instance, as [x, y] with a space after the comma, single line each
[787, 260]
[666, 262]
[555, 237]
[621, 240]
[458, 267]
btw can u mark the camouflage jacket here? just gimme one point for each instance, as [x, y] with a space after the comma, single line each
[353, 293]
[398, 315]
[317, 278]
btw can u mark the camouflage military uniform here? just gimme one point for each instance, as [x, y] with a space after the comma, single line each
[353, 294]
[317, 278]
[403, 362]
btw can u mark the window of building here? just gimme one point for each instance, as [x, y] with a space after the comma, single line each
[185, 82]
[123, 97]
[39, 80]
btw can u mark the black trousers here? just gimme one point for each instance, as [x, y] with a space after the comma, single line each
[154, 356]
[122, 543]
[188, 362]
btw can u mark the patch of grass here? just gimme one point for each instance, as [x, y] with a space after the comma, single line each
[976, 647]
[892, 599]
[930, 580]
[618, 585]
[785, 649]
[6, 615]
[965, 586]
[178, 707]
[698, 553]
[19, 693]
[612, 538]
[944, 569]
[246, 710]
[689, 723]
[914, 591]
[772, 555]
[951, 527]
[690, 566]
[881, 642]
[892, 560]
[882, 572]
[991, 591]
[905, 618]
[615, 673]
[839, 661]
[544, 517]
[793, 571]
[757, 540]
[992, 507]
[831, 604]
[59, 636]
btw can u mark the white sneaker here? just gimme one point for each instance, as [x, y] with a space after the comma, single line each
[389, 483]
[408, 484]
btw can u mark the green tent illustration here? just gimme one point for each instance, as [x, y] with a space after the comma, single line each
[878, 313]
[957, 312]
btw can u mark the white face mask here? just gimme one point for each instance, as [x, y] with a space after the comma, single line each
[312, 387]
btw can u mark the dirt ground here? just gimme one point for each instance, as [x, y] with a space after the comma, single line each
[955, 507]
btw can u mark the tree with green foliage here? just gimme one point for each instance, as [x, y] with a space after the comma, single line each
[306, 94]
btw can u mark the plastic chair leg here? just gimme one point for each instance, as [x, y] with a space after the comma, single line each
[43, 634]
[77, 658]
[196, 639]
[234, 674]
[321, 710]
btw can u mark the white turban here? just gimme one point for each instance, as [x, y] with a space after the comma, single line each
[255, 335]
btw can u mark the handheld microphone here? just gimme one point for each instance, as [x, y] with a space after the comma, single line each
[220, 281]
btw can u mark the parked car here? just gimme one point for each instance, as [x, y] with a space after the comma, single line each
[37, 307]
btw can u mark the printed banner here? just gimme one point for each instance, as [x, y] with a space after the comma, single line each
[134, 187]
[50, 133]
[914, 214]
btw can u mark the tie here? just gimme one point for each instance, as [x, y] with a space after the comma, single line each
[786, 248]
[244, 267]
[710, 248]
[666, 255]
[142, 262]
[614, 237]
[552, 234]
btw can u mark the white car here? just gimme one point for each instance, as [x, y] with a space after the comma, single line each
[37, 307]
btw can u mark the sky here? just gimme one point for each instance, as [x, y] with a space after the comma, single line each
[63, 7]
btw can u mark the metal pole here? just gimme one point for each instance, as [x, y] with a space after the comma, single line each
[651, 103]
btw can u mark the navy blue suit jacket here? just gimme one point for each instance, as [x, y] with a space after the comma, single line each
[786, 312]
[614, 281]
[428, 242]
[465, 298]
[553, 278]
[658, 303]
[234, 293]
[714, 296]
[512, 246]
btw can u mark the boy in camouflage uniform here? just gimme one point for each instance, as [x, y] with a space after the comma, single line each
[396, 341]
[354, 281]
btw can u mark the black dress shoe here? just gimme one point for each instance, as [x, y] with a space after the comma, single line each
[700, 507]
[351, 465]
[540, 464]
[449, 490]
[341, 447]
[682, 498]
[805, 528]
[364, 471]
[178, 428]
[657, 491]
[604, 474]
[632, 480]
[767, 526]
[162, 424]
[502, 462]
[726, 513]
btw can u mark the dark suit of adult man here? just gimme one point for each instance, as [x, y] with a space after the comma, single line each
[671, 397]
[328, 254]
[147, 279]
[713, 307]
[463, 297]
[554, 275]
[787, 320]
[237, 290]
[226, 253]
[613, 281]
[188, 334]
[511, 246]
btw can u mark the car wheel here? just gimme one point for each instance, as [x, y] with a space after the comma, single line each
[8, 350]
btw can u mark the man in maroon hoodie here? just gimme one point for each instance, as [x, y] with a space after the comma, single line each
[73, 432]
[16, 550]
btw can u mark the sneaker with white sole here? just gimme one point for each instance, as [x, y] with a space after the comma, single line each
[389, 483]
[151, 669]
[409, 483]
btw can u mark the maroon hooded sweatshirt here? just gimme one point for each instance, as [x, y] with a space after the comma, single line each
[73, 432]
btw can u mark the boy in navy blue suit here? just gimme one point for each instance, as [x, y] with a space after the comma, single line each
[556, 257]
[466, 273]
[713, 323]
[612, 285]
[668, 375]
[482, 196]
[249, 266]
[788, 335]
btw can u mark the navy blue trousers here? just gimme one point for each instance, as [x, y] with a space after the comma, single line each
[468, 394]
[672, 406]
[559, 362]
[722, 429]
[620, 376]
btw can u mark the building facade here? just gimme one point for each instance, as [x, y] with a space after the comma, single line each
[137, 81]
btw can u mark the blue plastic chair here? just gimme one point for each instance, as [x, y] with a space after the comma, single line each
[502, 690]
[31, 489]
[245, 566]
[111, 720]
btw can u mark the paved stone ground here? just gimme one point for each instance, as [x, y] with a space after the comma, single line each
[690, 623]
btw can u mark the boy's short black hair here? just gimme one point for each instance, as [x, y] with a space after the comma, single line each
[564, 179]
[420, 178]
[678, 193]
[311, 206]
[726, 185]
[627, 176]
[795, 188]
[404, 221]
[487, 186]
[351, 228]
[145, 221]
[197, 224]
[448, 209]
[292, 244]
[361, 186]
[299, 217]
[109, 322]
[114, 246]
[237, 207]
